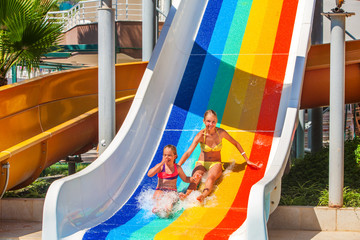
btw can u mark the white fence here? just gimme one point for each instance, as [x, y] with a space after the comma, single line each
[22, 73]
[85, 12]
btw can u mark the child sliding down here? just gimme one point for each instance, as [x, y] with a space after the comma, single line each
[167, 170]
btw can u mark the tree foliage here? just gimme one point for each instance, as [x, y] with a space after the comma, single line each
[25, 33]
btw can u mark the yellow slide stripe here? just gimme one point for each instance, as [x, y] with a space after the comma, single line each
[254, 60]
[253, 65]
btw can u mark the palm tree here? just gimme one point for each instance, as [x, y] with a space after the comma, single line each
[25, 33]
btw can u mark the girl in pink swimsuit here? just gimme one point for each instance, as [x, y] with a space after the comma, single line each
[210, 140]
[167, 171]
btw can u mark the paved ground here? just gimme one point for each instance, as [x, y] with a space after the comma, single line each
[313, 235]
[22, 230]
[11, 230]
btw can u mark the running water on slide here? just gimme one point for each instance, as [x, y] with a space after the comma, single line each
[243, 59]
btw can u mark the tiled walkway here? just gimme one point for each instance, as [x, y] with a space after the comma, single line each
[313, 235]
[20, 230]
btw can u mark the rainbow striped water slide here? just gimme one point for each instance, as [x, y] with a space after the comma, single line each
[245, 60]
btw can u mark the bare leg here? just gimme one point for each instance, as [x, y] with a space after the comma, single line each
[213, 174]
[164, 202]
[199, 171]
[157, 196]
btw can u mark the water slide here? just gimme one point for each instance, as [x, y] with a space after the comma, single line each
[316, 85]
[244, 59]
[73, 110]
[47, 118]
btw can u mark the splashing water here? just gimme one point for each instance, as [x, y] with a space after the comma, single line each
[146, 202]
[171, 200]
[229, 169]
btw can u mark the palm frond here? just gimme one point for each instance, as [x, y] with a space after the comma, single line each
[25, 33]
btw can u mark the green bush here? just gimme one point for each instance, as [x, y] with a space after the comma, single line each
[308, 180]
[351, 197]
[55, 169]
[40, 186]
[35, 190]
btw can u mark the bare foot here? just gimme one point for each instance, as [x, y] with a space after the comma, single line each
[161, 213]
[201, 198]
[155, 210]
[182, 196]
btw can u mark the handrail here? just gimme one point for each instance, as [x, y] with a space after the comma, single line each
[7, 167]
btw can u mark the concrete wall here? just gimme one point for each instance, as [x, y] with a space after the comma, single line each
[128, 36]
[22, 209]
[315, 219]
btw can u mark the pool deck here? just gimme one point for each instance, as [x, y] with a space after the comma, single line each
[31, 230]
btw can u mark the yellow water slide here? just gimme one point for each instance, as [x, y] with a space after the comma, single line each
[45, 119]
[316, 85]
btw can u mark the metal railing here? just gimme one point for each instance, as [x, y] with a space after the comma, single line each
[85, 12]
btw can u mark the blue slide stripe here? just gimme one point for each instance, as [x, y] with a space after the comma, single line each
[229, 59]
[198, 54]
[204, 88]
[183, 100]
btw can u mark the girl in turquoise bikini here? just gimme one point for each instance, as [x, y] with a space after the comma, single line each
[210, 140]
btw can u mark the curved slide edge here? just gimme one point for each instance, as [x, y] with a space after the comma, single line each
[265, 194]
[110, 181]
[53, 116]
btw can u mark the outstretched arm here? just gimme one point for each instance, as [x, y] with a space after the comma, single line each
[227, 136]
[190, 150]
[183, 176]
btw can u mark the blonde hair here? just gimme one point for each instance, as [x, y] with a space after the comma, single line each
[210, 111]
[173, 149]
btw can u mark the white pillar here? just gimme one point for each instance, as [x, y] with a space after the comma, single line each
[148, 28]
[106, 74]
[337, 108]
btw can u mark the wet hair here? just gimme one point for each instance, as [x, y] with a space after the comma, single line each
[210, 111]
[173, 149]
